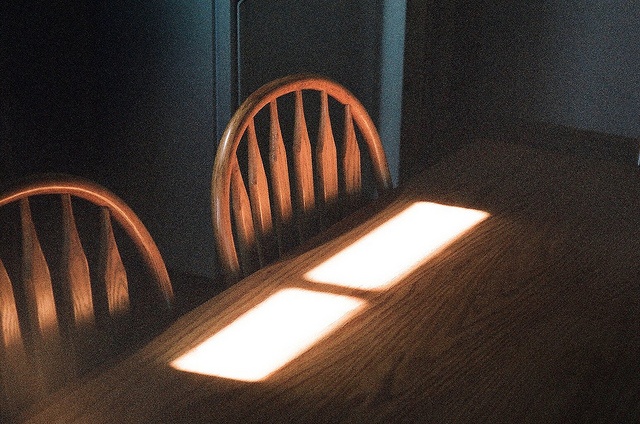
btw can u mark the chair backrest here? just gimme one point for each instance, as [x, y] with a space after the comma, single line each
[58, 317]
[266, 222]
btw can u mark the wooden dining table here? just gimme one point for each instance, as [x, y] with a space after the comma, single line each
[529, 312]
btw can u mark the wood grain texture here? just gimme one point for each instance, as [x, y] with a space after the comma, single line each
[243, 221]
[113, 275]
[53, 294]
[301, 153]
[326, 153]
[303, 166]
[279, 167]
[280, 184]
[351, 156]
[258, 186]
[50, 367]
[532, 316]
[302, 158]
[9, 324]
[265, 240]
[36, 279]
[99, 195]
[75, 269]
[15, 385]
[17, 388]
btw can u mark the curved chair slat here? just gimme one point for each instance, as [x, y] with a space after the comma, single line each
[326, 182]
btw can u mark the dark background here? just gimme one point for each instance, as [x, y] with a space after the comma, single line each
[123, 93]
[563, 75]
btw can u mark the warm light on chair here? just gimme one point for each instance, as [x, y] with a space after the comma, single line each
[270, 335]
[391, 251]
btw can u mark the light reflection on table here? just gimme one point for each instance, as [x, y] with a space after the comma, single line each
[290, 321]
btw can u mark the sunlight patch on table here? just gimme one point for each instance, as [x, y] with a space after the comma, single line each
[397, 247]
[270, 335]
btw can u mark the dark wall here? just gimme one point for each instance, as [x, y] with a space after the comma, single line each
[474, 67]
[121, 93]
[573, 63]
[46, 104]
[429, 104]
[358, 43]
[277, 38]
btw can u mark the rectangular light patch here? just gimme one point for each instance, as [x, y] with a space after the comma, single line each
[270, 335]
[397, 247]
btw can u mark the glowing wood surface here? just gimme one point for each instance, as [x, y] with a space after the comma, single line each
[269, 335]
[396, 247]
[532, 315]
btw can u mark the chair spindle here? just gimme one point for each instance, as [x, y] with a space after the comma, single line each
[36, 278]
[326, 154]
[351, 156]
[302, 158]
[259, 195]
[281, 190]
[75, 269]
[258, 187]
[112, 272]
[9, 324]
[319, 180]
[279, 168]
[242, 217]
[15, 371]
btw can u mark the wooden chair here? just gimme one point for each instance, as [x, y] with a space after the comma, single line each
[266, 221]
[58, 318]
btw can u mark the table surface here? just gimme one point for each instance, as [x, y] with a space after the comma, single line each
[533, 315]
